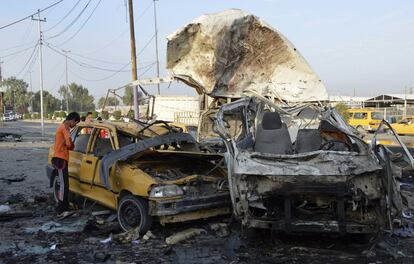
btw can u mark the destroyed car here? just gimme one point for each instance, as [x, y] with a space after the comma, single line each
[304, 169]
[144, 171]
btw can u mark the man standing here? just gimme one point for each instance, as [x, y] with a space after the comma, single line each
[63, 143]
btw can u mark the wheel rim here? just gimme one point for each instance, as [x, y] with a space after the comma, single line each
[130, 215]
[56, 189]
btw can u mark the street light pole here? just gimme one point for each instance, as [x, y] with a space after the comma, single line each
[39, 20]
[67, 82]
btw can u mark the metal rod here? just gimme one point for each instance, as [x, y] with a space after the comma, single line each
[156, 46]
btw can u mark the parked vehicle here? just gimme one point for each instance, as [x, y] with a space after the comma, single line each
[404, 127]
[365, 119]
[144, 172]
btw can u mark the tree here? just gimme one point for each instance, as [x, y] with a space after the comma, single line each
[343, 111]
[16, 95]
[79, 98]
[50, 103]
[112, 101]
[128, 98]
[117, 114]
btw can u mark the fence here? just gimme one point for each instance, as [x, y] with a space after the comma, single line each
[188, 118]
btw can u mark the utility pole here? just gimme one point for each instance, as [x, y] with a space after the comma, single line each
[133, 57]
[31, 90]
[67, 82]
[1, 89]
[39, 20]
[156, 45]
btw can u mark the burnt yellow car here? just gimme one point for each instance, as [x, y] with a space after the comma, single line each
[144, 172]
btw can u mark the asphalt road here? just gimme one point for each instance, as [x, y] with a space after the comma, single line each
[35, 239]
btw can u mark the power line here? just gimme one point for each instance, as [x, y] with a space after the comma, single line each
[82, 64]
[120, 35]
[64, 17]
[28, 61]
[29, 16]
[18, 52]
[84, 23]
[71, 23]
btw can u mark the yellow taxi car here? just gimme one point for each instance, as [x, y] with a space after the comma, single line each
[365, 119]
[404, 127]
[143, 172]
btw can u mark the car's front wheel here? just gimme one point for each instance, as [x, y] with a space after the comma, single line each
[133, 213]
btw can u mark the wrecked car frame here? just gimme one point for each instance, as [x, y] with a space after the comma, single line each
[142, 175]
[328, 180]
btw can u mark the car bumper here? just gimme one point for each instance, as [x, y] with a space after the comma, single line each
[188, 204]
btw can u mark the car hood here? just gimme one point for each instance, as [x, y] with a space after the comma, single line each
[223, 54]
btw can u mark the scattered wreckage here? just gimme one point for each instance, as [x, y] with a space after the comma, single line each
[144, 171]
[292, 164]
[304, 169]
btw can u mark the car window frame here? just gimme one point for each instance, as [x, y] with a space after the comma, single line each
[75, 132]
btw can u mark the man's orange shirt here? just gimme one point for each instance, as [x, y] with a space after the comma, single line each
[63, 143]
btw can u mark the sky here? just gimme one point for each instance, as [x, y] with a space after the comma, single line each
[364, 48]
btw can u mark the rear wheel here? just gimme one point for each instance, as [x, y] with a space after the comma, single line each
[133, 213]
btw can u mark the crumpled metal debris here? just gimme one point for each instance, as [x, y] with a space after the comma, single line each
[184, 235]
[53, 227]
[223, 54]
[4, 136]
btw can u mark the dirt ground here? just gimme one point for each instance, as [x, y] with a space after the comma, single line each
[34, 235]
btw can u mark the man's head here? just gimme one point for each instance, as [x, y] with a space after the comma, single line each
[89, 116]
[72, 119]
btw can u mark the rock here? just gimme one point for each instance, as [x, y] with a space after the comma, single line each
[4, 209]
[184, 235]
[148, 235]
[221, 229]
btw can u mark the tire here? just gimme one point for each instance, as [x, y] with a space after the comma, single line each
[133, 213]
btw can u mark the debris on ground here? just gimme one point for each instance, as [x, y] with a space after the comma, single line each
[127, 236]
[184, 235]
[149, 235]
[10, 137]
[4, 209]
[221, 229]
[64, 227]
[19, 178]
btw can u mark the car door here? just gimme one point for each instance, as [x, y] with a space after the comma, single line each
[102, 143]
[81, 142]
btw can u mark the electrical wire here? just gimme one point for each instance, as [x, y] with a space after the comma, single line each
[28, 61]
[29, 16]
[141, 15]
[71, 23]
[18, 52]
[64, 17]
[84, 23]
[82, 64]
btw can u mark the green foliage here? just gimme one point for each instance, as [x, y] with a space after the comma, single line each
[105, 115]
[16, 94]
[50, 103]
[26, 116]
[117, 114]
[95, 114]
[36, 116]
[343, 111]
[79, 97]
[130, 114]
[111, 101]
[128, 98]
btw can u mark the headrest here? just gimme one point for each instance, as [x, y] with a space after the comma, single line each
[271, 120]
[326, 126]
